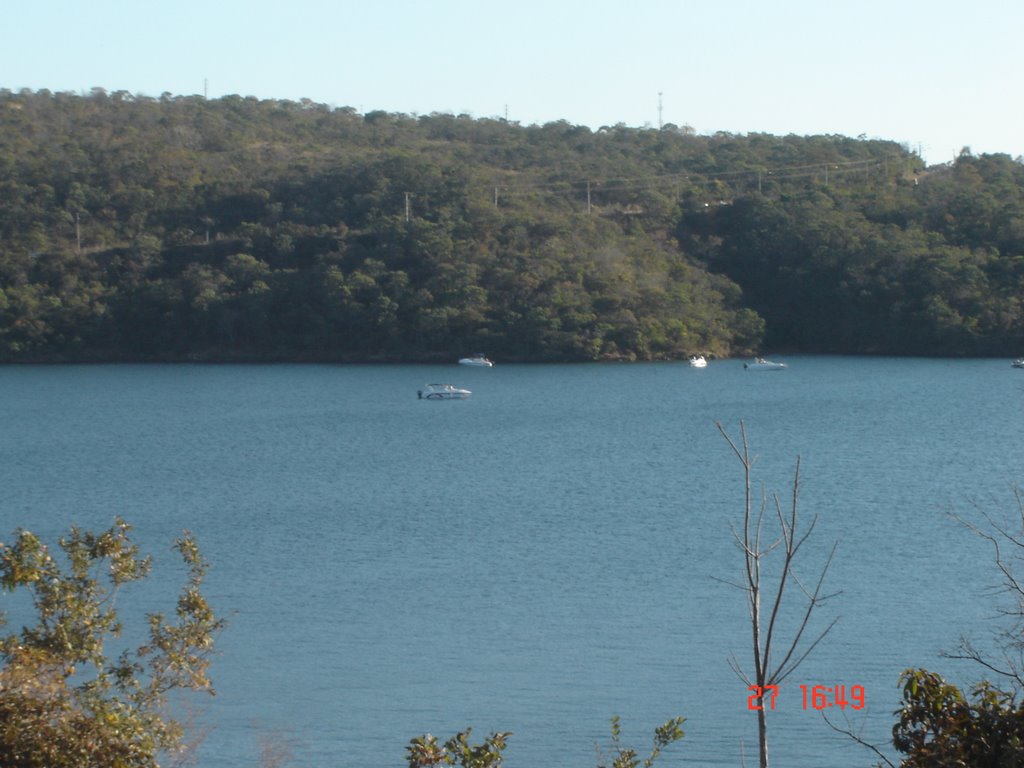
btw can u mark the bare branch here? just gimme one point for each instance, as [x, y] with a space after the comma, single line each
[1012, 670]
[779, 675]
[790, 541]
[1008, 555]
[735, 666]
[744, 455]
[858, 739]
[728, 583]
[813, 602]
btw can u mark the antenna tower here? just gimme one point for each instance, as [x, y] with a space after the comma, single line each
[659, 110]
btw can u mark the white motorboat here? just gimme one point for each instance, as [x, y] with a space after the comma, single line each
[760, 364]
[478, 360]
[1018, 363]
[698, 361]
[442, 392]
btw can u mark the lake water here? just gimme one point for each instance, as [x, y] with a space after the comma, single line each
[545, 555]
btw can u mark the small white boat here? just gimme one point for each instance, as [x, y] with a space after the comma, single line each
[1018, 363]
[760, 364]
[442, 392]
[698, 361]
[478, 360]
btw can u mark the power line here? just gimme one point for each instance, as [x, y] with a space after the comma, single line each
[698, 178]
[587, 188]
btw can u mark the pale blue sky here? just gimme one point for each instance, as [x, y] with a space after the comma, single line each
[933, 74]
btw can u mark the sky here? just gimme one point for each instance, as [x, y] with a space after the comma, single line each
[934, 75]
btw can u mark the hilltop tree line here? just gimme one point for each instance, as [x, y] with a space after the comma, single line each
[181, 228]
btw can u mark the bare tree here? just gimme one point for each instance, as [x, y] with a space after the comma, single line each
[774, 658]
[952, 727]
[853, 735]
[1008, 552]
[276, 749]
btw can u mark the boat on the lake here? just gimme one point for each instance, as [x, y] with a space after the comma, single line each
[442, 392]
[760, 364]
[698, 361]
[478, 360]
[1018, 363]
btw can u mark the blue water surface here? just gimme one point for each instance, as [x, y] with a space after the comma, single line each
[551, 552]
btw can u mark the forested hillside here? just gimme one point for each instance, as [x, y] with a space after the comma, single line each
[181, 228]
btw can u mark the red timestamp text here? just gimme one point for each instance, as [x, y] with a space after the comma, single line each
[814, 696]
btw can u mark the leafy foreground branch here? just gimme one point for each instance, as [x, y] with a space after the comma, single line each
[64, 703]
[426, 752]
[939, 726]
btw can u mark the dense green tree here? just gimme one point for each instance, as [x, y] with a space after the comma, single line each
[427, 752]
[123, 219]
[939, 726]
[66, 699]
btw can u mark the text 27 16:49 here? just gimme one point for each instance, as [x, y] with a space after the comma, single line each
[814, 697]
